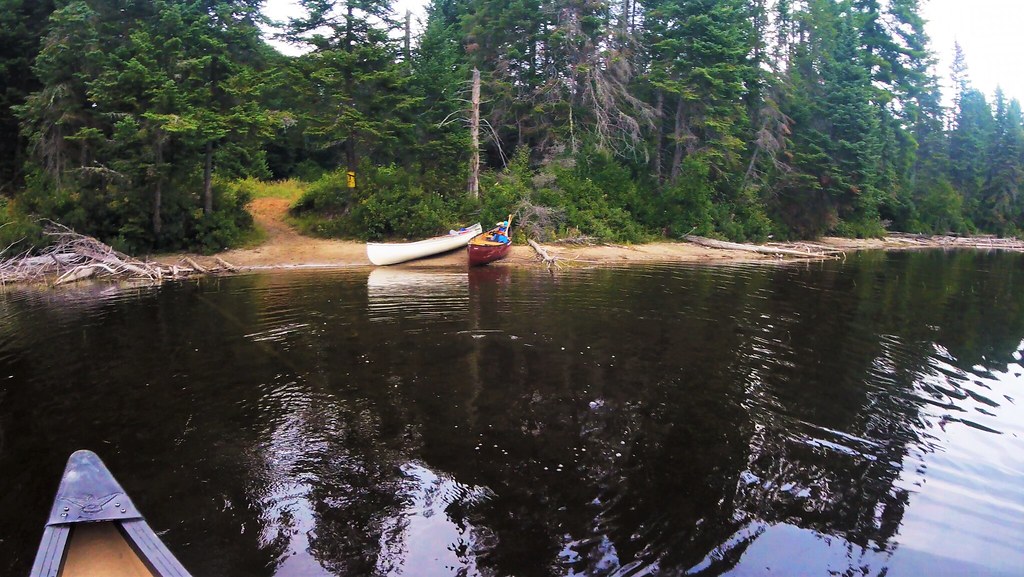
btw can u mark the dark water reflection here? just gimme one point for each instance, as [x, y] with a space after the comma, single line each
[831, 419]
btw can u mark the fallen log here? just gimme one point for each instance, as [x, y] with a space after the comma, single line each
[83, 272]
[193, 264]
[75, 274]
[226, 264]
[946, 241]
[763, 249]
[543, 254]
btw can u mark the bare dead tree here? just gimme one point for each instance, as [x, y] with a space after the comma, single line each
[769, 141]
[473, 187]
[538, 221]
[599, 84]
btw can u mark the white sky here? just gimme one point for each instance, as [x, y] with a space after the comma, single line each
[991, 33]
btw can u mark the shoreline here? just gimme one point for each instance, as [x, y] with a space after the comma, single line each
[307, 253]
[285, 249]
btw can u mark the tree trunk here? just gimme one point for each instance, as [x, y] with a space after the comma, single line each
[350, 153]
[350, 143]
[658, 106]
[624, 21]
[677, 158]
[216, 99]
[473, 186]
[817, 252]
[208, 179]
[408, 40]
[157, 200]
[158, 190]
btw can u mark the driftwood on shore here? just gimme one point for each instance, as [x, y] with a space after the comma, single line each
[74, 257]
[951, 241]
[796, 250]
[546, 258]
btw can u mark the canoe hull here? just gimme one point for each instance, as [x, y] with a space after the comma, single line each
[481, 254]
[94, 529]
[385, 253]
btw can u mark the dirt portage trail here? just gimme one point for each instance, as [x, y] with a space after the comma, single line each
[269, 214]
[286, 248]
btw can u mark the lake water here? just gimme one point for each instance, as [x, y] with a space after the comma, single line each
[854, 418]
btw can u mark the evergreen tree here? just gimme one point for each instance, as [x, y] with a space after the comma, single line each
[355, 98]
[58, 118]
[509, 42]
[440, 70]
[921, 198]
[1001, 199]
[959, 77]
[836, 144]
[135, 97]
[930, 204]
[701, 63]
[22, 23]
[969, 149]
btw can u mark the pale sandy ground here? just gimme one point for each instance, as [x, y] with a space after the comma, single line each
[285, 249]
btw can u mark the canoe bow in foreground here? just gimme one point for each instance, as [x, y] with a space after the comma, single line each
[95, 529]
[384, 253]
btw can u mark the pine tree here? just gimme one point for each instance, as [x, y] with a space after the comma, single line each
[1001, 194]
[921, 198]
[969, 149]
[701, 64]
[440, 70]
[355, 97]
[136, 100]
[53, 116]
[509, 42]
[959, 77]
[835, 146]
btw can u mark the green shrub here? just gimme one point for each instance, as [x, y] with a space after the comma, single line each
[502, 192]
[329, 197]
[589, 207]
[860, 228]
[686, 207]
[229, 223]
[941, 209]
[401, 212]
[18, 232]
[389, 202]
[309, 171]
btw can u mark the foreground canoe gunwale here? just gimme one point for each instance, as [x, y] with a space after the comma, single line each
[89, 494]
[385, 253]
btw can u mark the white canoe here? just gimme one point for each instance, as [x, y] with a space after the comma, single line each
[382, 253]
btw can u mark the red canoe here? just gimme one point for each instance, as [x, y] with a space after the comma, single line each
[483, 251]
[483, 248]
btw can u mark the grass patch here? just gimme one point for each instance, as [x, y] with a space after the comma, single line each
[314, 225]
[252, 238]
[289, 189]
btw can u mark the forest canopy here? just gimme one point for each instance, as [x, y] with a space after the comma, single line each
[142, 123]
